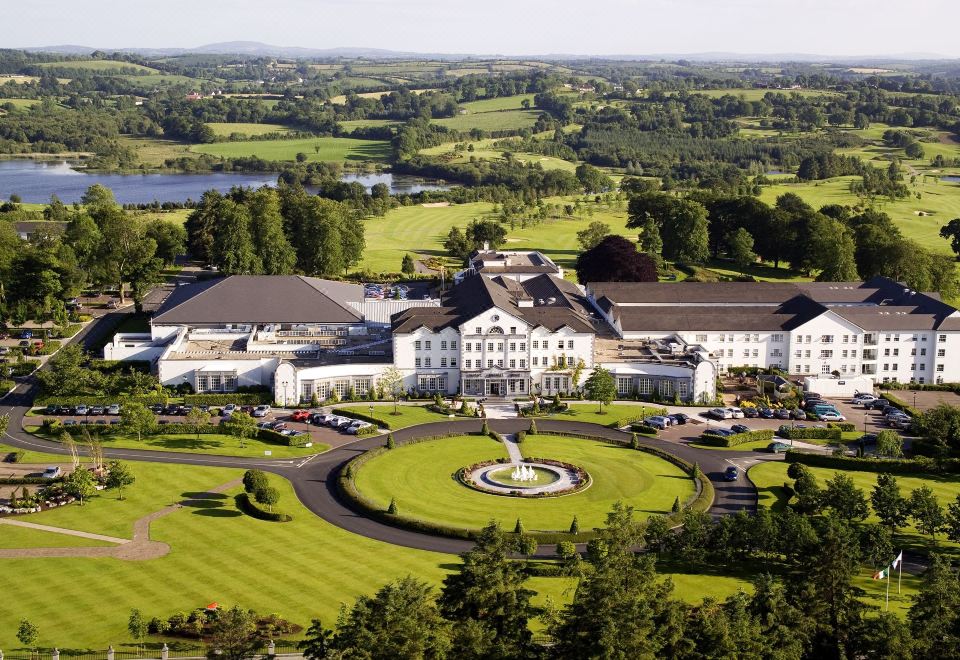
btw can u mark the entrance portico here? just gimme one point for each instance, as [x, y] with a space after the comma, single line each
[496, 383]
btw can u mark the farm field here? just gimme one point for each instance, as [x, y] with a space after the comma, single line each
[939, 199]
[485, 149]
[758, 94]
[351, 124]
[224, 129]
[497, 104]
[491, 121]
[20, 103]
[152, 152]
[330, 149]
[99, 66]
[418, 477]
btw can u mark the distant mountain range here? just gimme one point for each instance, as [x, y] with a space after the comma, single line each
[257, 49]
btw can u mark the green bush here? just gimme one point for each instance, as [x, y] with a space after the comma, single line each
[249, 507]
[24, 368]
[920, 465]
[277, 438]
[810, 434]
[6, 386]
[50, 347]
[186, 429]
[27, 481]
[737, 439]
[367, 430]
[145, 399]
[643, 428]
[845, 427]
[521, 436]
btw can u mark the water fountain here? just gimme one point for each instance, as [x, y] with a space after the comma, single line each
[523, 473]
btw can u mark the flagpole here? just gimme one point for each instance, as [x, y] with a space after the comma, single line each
[899, 572]
[888, 590]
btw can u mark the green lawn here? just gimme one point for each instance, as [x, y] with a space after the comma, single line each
[330, 149]
[497, 104]
[491, 121]
[210, 443]
[769, 479]
[217, 554]
[22, 537]
[223, 129]
[20, 103]
[408, 415]
[98, 66]
[351, 124]
[756, 445]
[420, 478]
[589, 412]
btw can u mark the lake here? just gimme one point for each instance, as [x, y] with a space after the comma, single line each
[950, 179]
[35, 181]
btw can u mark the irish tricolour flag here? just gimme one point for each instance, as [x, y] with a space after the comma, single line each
[881, 575]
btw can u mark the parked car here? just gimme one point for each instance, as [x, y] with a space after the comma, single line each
[679, 418]
[113, 409]
[82, 409]
[51, 472]
[266, 425]
[334, 420]
[798, 413]
[767, 413]
[24, 344]
[354, 428]
[26, 334]
[229, 409]
[261, 411]
[345, 423]
[278, 426]
[723, 433]
[157, 408]
[863, 398]
[53, 409]
[97, 410]
[740, 428]
[70, 422]
[657, 422]
[172, 409]
[831, 417]
[732, 473]
[720, 413]
[300, 415]
[777, 447]
[751, 412]
[735, 413]
[782, 413]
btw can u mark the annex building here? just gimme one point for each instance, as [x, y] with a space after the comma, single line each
[518, 328]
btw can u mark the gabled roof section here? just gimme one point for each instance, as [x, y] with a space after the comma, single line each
[261, 299]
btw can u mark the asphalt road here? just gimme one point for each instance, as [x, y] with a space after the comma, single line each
[314, 478]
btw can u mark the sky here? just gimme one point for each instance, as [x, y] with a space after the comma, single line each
[508, 27]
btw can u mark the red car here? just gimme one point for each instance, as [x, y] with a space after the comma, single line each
[300, 415]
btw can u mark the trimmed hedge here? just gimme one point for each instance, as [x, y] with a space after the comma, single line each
[277, 438]
[187, 429]
[736, 439]
[627, 421]
[363, 417]
[249, 507]
[845, 427]
[239, 398]
[643, 428]
[900, 404]
[810, 434]
[892, 465]
[90, 400]
[28, 481]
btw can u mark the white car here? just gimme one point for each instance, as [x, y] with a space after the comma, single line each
[261, 411]
[863, 397]
[721, 413]
[113, 409]
[735, 413]
[51, 472]
[354, 428]
[832, 417]
[657, 422]
[336, 420]
[228, 410]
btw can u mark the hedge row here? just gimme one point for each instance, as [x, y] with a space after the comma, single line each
[249, 507]
[900, 404]
[27, 481]
[363, 417]
[736, 439]
[921, 465]
[845, 427]
[627, 421]
[239, 398]
[643, 428]
[922, 387]
[276, 438]
[810, 434]
[90, 400]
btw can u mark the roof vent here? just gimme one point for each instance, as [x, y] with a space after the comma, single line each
[539, 301]
[551, 300]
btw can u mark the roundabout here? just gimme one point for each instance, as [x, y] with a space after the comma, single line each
[526, 479]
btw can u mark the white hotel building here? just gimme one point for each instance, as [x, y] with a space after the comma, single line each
[502, 334]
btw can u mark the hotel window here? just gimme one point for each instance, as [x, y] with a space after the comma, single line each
[913, 352]
[843, 368]
[489, 363]
[729, 352]
[536, 344]
[341, 387]
[796, 368]
[683, 389]
[523, 363]
[941, 352]
[489, 345]
[466, 364]
[443, 362]
[666, 388]
[806, 354]
[426, 344]
[644, 386]
[798, 354]
[229, 383]
[896, 338]
[523, 346]
[560, 344]
[624, 385]
[453, 344]
[361, 385]
[886, 352]
[426, 362]
[776, 338]
[513, 364]
[500, 363]
[729, 337]
[443, 345]
[825, 369]
[923, 351]
[894, 365]
[826, 339]
[843, 354]
[513, 330]
[886, 366]
[939, 367]
[416, 345]
[203, 384]
[513, 346]
[846, 338]
[896, 352]
[941, 338]
[453, 362]
[499, 345]
[468, 347]
[215, 383]
[570, 344]
[853, 354]
[479, 330]
[701, 339]
[826, 355]
[923, 367]
[756, 337]
[756, 353]
[746, 352]
[536, 361]
[416, 363]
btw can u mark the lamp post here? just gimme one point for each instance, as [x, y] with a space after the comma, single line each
[914, 399]
[283, 384]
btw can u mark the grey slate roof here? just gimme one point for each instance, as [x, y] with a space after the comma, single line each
[261, 299]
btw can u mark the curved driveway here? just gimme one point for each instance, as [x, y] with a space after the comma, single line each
[314, 478]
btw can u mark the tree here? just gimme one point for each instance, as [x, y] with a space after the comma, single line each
[487, 602]
[951, 231]
[241, 426]
[81, 484]
[456, 244]
[391, 380]
[593, 234]
[889, 443]
[234, 635]
[119, 477]
[935, 614]
[233, 251]
[254, 480]
[615, 259]
[400, 621]
[952, 524]
[741, 249]
[137, 626]
[926, 511]
[682, 223]
[27, 633]
[270, 243]
[593, 179]
[408, 267]
[137, 418]
[268, 496]
[600, 386]
[888, 504]
[171, 240]
[650, 241]
[4, 423]
[318, 642]
[845, 499]
[485, 232]
[197, 418]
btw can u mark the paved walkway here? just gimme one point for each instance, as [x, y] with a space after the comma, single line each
[513, 449]
[139, 548]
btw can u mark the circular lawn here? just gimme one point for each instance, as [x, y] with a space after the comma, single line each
[421, 477]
